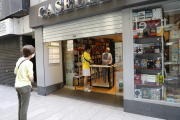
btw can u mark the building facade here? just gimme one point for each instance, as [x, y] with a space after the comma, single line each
[149, 67]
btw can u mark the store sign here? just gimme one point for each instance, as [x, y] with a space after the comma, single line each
[62, 6]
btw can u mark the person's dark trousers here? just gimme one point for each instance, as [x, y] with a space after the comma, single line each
[23, 96]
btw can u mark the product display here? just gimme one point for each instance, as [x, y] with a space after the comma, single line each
[146, 93]
[156, 41]
[155, 94]
[137, 93]
[143, 63]
[144, 78]
[137, 78]
[136, 63]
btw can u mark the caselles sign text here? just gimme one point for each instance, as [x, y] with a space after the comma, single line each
[65, 5]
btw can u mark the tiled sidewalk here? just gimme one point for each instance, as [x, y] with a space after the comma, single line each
[53, 107]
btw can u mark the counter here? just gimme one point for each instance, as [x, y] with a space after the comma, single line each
[102, 76]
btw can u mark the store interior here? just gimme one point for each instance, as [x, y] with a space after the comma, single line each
[100, 82]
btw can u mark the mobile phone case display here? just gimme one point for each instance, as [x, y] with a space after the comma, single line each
[148, 54]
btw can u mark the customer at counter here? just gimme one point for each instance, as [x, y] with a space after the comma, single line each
[106, 60]
[86, 60]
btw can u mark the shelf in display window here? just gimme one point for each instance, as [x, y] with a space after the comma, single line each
[148, 37]
[147, 20]
[148, 53]
[170, 63]
[148, 85]
[146, 69]
[145, 40]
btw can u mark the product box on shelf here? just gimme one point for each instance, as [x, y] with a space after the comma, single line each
[146, 32]
[143, 63]
[153, 32]
[150, 64]
[137, 63]
[148, 14]
[175, 58]
[146, 93]
[135, 34]
[174, 34]
[159, 78]
[144, 78]
[141, 18]
[155, 94]
[159, 31]
[138, 48]
[177, 98]
[137, 93]
[141, 13]
[157, 64]
[140, 33]
[152, 78]
[170, 97]
[157, 13]
[137, 78]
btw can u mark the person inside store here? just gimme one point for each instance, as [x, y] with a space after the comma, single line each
[24, 78]
[86, 60]
[106, 60]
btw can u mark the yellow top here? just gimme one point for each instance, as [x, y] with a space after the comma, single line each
[85, 64]
[23, 73]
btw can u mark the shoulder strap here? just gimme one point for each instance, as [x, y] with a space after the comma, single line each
[85, 59]
[21, 63]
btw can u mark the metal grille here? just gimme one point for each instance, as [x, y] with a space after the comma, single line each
[9, 54]
[9, 7]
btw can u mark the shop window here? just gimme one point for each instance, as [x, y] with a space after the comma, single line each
[156, 37]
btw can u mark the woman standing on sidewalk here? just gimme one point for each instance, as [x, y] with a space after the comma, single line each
[24, 78]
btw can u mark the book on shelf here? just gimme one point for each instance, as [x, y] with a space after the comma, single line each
[174, 34]
[137, 78]
[146, 93]
[137, 93]
[143, 63]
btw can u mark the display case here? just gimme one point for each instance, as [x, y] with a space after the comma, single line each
[102, 76]
[156, 55]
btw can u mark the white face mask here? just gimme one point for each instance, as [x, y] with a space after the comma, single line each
[32, 55]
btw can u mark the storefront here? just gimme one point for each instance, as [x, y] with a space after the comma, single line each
[56, 25]
[147, 68]
[152, 60]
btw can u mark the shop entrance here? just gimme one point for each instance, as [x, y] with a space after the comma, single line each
[110, 82]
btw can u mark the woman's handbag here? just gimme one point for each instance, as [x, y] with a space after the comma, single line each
[19, 66]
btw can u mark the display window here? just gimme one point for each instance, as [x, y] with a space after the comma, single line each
[156, 37]
[103, 78]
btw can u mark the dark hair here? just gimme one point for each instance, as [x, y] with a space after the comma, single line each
[87, 47]
[28, 50]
